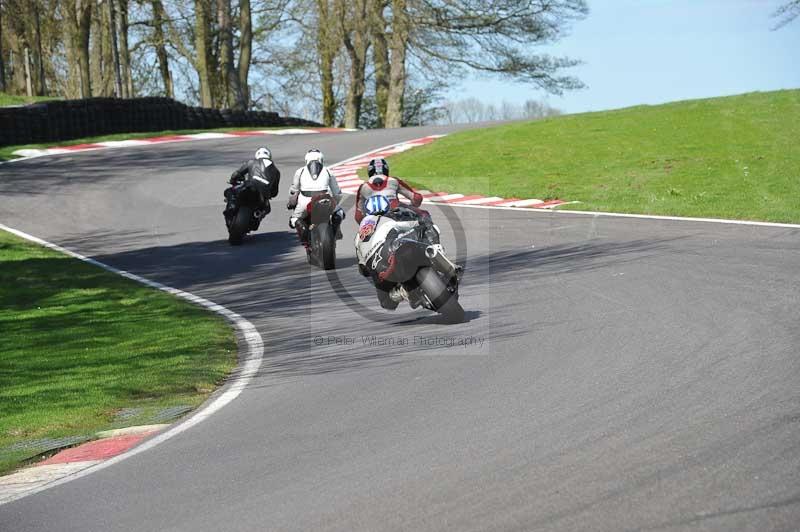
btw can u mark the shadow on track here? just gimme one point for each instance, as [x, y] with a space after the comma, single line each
[293, 304]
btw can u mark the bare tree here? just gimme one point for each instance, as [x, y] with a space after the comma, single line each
[2, 63]
[786, 13]
[327, 48]
[78, 23]
[202, 44]
[160, 44]
[245, 53]
[124, 49]
[380, 57]
[353, 27]
[397, 67]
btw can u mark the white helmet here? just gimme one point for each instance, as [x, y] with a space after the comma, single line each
[314, 155]
[263, 153]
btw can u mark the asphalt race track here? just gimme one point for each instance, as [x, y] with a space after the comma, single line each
[613, 374]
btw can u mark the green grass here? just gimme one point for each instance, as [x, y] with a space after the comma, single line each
[11, 99]
[731, 157]
[78, 344]
[7, 152]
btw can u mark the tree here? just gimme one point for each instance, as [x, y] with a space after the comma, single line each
[245, 53]
[160, 44]
[2, 64]
[328, 45]
[397, 65]
[124, 49]
[353, 27]
[380, 57]
[489, 36]
[78, 15]
[786, 13]
[202, 44]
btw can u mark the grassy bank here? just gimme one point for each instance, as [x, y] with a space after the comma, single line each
[730, 157]
[84, 350]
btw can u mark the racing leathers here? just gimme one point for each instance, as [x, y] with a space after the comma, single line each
[262, 171]
[390, 188]
[309, 181]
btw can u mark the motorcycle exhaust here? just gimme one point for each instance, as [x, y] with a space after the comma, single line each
[435, 254]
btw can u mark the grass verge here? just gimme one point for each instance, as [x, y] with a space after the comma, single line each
[730, 157]
[80, 346]
[12, 99]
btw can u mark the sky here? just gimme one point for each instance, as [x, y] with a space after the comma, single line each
[655, 51]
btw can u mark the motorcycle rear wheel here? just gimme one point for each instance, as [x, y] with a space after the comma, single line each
[239, 226]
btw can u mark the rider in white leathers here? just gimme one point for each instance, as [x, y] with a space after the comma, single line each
[312, 179]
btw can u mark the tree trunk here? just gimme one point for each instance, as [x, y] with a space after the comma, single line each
[202, 42]
[98, 56]
[161, 47]
[28, 82]
[380, 57]
[245, 53]
[397, 69]
[124, 49]
[2, 63]
[231, 92]
[112, 29]
[41, 86]
[83, 21]
[356, 43]
[326, 50]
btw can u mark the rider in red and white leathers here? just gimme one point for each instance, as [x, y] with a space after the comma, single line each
[312, 179]
[379, 183]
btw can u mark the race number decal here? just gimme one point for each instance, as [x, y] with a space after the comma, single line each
[366, 229]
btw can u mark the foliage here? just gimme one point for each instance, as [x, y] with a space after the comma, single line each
[318, 59]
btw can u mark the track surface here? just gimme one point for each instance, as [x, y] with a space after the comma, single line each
[634, 374]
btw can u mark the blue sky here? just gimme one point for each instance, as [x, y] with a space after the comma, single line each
[653, 51]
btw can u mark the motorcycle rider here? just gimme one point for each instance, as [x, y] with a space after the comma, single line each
[310, 180]
[379, 183]
[260, 169]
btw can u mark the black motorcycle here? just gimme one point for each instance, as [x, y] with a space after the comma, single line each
[406, 261]
[323, 221]
[247, 204]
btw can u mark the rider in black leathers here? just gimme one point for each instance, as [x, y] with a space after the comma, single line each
[261, 169]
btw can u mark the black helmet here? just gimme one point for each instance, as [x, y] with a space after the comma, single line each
[378, 166]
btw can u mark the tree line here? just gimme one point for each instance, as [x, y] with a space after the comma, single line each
[357, 63]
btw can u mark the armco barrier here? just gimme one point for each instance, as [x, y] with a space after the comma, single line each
[71, 119]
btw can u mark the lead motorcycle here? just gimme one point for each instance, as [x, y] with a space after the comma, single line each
[246, 205]
[401, 253]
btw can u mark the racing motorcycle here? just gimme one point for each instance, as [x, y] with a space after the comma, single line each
[323, 221]
[246, 205]
[401, 252]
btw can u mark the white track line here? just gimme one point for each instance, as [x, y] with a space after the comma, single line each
[249, 363]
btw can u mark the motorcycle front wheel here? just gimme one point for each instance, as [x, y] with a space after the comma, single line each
[444, 302]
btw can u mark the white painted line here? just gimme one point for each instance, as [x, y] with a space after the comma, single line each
[211, 135]
[122, 143]
[289, 131]
[249, 364]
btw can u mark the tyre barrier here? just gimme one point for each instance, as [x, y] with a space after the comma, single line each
[71, 119]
